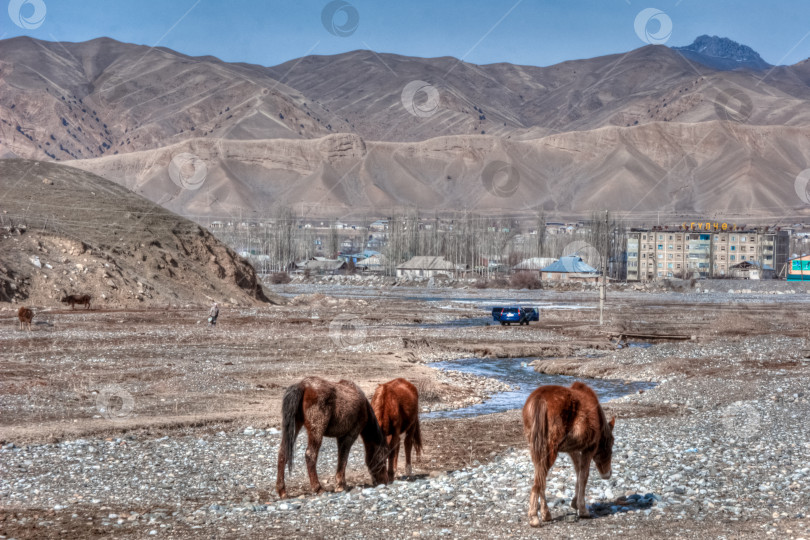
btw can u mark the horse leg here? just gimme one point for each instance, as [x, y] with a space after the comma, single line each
[408, 448]
[583, 470]
[393, 456]
[344, 446]
[538, 488]
[313, 448]
[576, 458]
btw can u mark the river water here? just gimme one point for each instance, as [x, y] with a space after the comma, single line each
[524, 380]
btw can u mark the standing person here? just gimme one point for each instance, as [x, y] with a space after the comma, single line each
[213, 313]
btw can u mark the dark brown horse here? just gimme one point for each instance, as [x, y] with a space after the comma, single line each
[25, 316]
[327, 409]
[73, 299]
[558, 419]
[396, 405]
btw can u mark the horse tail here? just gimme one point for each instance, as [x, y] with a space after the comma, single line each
[537, 431]
[417, 437]
[290, 405]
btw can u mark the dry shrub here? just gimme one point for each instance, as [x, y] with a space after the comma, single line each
[491, 283]
[279, 278]
[429, 390]
[525, 280]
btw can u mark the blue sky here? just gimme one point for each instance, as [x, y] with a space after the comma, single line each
[534, 32]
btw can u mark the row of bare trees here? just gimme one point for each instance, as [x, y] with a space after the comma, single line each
[471, 241]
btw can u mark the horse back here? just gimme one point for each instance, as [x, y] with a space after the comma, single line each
[396, 405]
[25, 315]
[573, 415]
[585, 389]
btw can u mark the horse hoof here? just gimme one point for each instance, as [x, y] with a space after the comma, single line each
[584, 515]
[340, 489]
[534, 521]
[282, 494]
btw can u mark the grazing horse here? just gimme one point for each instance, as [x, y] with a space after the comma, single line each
[26, 316]
[558, 419]
[327, 409]
[396, 405]
[73, 299]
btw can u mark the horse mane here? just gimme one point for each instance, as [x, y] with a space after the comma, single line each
[372, 434]
[607, 432]
[378, 403]
[582, 387]
[605, 427]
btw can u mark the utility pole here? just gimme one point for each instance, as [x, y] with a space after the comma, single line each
[603, 286]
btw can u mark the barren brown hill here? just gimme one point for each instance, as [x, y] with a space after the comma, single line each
[696, 170]
[65, 231]
[649, 130]
[62, 101]
[646, 85]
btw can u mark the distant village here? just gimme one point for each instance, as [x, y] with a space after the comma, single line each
[414, 247]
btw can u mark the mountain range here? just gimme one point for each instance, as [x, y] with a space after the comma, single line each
[708, 129]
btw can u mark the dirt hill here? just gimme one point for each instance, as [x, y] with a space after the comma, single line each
[645, 131]
[68, 231]
[736, 171]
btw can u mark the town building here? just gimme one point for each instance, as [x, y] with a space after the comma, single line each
[372, 263]
[534, 264]
[427, 267]
[570, 268]
[320, 266]
[684, 252]
[798, 269]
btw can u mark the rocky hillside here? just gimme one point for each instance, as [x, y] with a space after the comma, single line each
[737, 172]
[63, 230]
[651, 130]
[723, 54]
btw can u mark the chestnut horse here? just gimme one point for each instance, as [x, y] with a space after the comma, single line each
[327, 409]
[396, 405]
[25, 316]
[558, 419]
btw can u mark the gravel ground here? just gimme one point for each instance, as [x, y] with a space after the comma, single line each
[698, 471]
[734, 454]
[720, 448]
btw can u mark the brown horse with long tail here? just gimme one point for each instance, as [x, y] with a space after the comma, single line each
[327, 409]
[25, 316]
[558, 419]
[396, 405]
